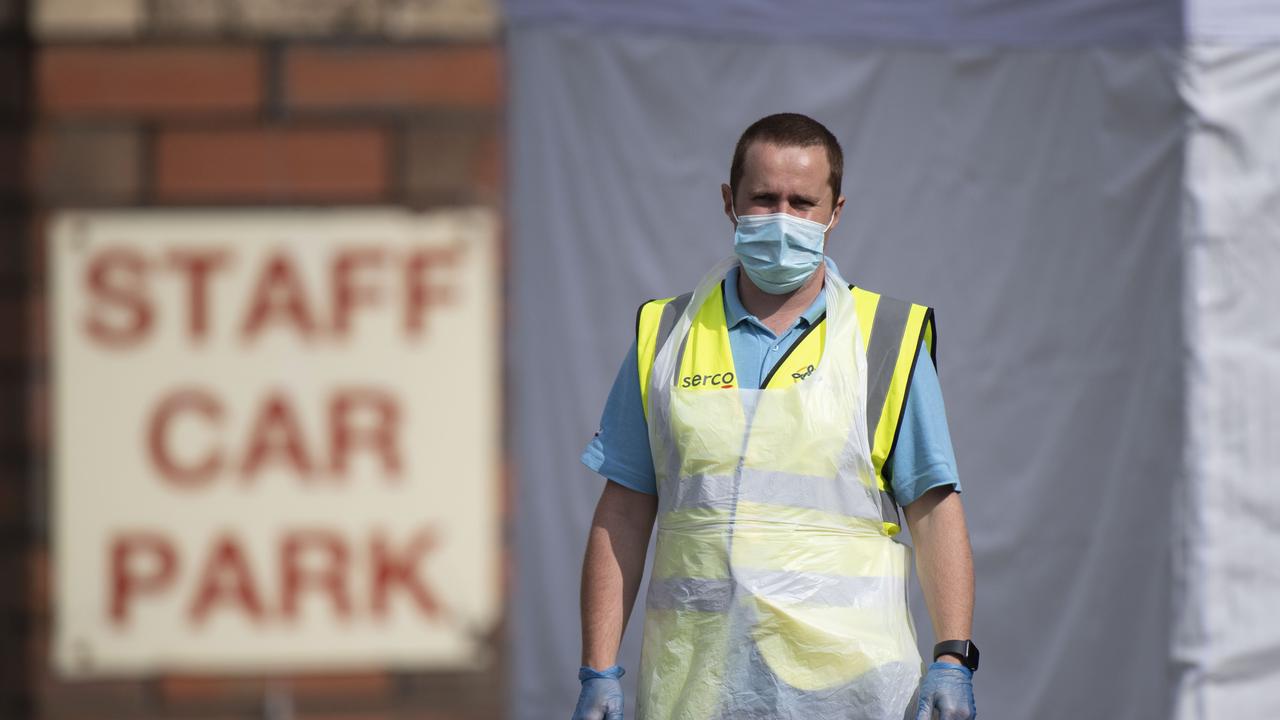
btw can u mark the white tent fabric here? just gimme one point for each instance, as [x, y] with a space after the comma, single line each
[1232, 22]
[1228, 633]
[1096, 223]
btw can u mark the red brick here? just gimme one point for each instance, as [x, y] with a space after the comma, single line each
[397, 714]
[35, 340]
[205, 690]
[304, 715]
[462, 695]
[37, 646]
[209, 690]
[345, 79]
[347, 686]
[86, 164]
[202, 689]
[140, 80]
[272, 165]
[38, 414]
[37, 642]
[62, 699]
[39, 584]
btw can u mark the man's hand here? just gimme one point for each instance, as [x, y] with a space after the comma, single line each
[947, 690]
[601, 696]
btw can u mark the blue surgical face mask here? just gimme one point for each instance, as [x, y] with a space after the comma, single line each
[779, 251]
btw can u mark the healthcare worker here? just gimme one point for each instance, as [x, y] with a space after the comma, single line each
[772, 421]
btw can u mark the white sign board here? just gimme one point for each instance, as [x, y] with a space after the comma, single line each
[276, 439]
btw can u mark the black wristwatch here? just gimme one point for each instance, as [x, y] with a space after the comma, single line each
[963, 649]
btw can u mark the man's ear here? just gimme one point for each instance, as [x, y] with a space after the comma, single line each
[836, 212]
[726, 194]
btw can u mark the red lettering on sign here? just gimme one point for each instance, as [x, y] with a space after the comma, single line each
[122, 311]
[279, 297]
[196, 266]
[361, 421]
[393, 570]
[190, 402]
[116, 282]
[276, 438]
[226, 581]
[426, 273]
[329, 577]
[379, 435]
[369, 578]
[347, 295]
[140, 563]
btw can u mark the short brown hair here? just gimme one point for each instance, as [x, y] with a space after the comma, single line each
[789, 130]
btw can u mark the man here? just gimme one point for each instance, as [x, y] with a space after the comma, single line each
[769, 421]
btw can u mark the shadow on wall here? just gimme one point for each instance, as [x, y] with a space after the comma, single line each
[15, 290]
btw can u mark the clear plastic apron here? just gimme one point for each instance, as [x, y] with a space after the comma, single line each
[775, 591]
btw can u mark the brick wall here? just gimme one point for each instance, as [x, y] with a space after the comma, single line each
[162, 103]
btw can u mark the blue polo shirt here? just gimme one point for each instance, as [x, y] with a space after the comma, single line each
[922, 460]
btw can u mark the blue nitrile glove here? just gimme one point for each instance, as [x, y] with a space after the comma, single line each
[601, 697]
[947, 689]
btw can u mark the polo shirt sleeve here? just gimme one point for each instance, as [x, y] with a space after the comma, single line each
[620, 449]
[923, 458]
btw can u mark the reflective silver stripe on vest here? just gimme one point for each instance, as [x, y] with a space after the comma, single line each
[889, 324]
[882, 354]
[670, 313]
[809, 589]
[842, 496]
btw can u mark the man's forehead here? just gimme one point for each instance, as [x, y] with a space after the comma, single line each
[766, 163]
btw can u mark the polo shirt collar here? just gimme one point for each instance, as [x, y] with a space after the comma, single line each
[734, 312]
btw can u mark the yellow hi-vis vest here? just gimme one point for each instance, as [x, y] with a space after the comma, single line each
[892, 333]
[778, 590]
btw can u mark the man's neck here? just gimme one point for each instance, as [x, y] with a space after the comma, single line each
[779, 312]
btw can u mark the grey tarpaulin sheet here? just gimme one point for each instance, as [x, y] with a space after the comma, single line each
[951, 23]
[1032, 197]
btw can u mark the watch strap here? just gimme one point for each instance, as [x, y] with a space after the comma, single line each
[963, 649]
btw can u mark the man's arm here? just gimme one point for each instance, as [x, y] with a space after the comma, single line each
[944, 562]
[611, 569]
